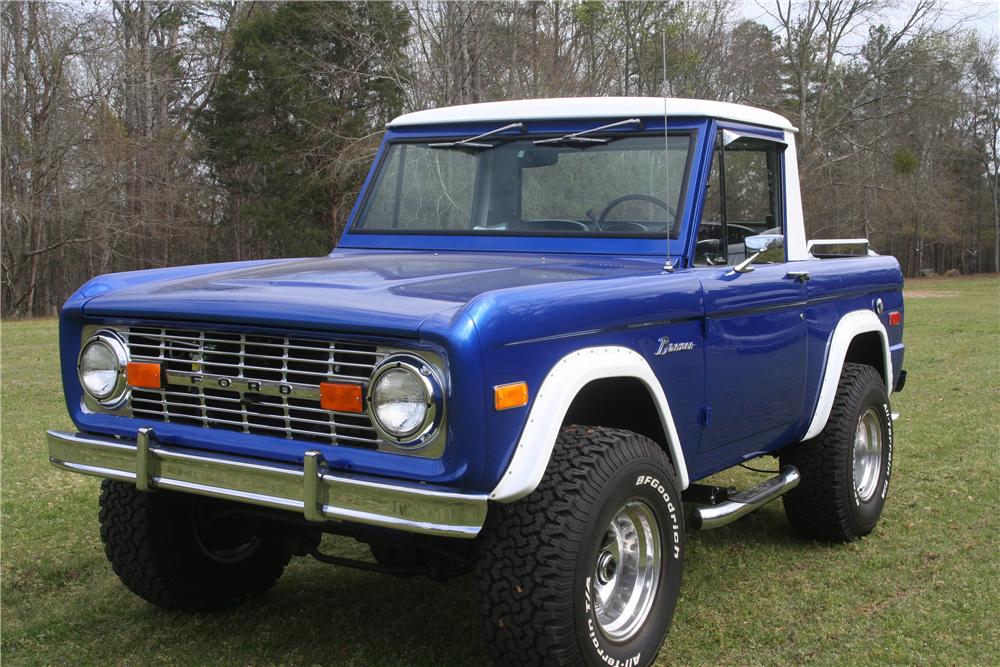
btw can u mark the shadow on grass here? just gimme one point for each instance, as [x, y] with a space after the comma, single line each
[319, 614]
[767, 526]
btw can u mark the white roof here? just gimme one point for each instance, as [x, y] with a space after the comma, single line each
[557, 108]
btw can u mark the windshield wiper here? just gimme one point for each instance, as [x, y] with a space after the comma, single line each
[472, 142]
[579, 138]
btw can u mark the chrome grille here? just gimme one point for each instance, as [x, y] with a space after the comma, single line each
[194, 361]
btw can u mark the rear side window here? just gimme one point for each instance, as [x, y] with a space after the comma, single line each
[742, 198]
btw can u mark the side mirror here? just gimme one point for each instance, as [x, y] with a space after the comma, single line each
[758, 245]
[763, 242]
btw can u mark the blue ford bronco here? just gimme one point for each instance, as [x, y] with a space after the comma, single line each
[545, 321]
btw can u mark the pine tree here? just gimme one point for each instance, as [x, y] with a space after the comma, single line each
[304, 81]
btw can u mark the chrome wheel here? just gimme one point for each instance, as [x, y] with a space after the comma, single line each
[867, 454]
[627, 571]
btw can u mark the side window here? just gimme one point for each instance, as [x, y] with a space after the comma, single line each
[743, 198]
[710, 250]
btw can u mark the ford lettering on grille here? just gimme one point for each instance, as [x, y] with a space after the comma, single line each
[242, 384]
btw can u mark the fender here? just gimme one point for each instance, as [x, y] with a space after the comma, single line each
[560, 387]
[850, 325]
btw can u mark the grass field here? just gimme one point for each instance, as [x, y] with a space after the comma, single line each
[923, 589]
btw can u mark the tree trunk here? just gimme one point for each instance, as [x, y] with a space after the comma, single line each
[996, 221]
[147, 69]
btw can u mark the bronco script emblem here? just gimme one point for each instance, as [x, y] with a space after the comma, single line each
[666, 346]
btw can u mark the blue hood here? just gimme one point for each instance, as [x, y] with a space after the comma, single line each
[350, 291]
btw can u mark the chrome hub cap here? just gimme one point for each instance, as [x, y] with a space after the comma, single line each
[867, 454]
[627, 571]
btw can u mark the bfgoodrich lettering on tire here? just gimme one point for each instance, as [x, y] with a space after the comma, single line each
[587, 568]
[845, 469]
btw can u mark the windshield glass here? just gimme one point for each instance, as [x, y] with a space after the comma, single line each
[630, 186]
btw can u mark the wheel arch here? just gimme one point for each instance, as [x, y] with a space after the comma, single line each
[576, 381]
[868, 348]
[858, 337]
[623, 402]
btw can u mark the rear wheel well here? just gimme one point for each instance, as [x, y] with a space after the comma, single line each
[866, 348]
[623, 402]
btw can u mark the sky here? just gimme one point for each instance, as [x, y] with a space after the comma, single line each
[981, 15]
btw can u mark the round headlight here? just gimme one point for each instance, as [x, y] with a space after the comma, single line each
[403, 401]
[101, 368]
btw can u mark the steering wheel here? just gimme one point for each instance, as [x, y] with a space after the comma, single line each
[671, 211]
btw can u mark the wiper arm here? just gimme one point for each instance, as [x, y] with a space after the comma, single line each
[473, 142]
[579, 138]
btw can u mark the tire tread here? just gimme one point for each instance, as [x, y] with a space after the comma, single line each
[820, 508]
[159, 565]
[525, 592]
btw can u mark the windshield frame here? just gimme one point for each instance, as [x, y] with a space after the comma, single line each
[625, 243]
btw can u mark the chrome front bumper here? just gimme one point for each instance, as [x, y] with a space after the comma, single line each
[310, 490]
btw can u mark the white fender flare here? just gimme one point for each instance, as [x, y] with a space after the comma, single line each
[852, 324]
[571, 374]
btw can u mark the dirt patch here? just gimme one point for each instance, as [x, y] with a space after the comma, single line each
[881, 605]
[924, 294]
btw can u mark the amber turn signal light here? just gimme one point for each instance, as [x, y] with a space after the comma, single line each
[507, 396]
[144, 375]
[340, 397]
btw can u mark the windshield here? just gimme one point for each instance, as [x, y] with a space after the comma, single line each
[629, 186]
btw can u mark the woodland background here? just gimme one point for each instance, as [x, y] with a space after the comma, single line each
[140, 134]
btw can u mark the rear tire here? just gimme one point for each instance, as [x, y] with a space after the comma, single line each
[182, 551]
[845, 469]
[586, 569]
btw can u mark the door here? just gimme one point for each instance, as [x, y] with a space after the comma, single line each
[754, 328]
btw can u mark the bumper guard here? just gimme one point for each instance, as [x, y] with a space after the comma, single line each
[310, 490]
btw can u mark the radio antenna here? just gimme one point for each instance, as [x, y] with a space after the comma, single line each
[668, 265]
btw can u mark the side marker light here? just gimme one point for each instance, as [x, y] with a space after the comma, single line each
[507, 396]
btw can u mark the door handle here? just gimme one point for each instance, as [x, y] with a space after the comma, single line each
[801, 276]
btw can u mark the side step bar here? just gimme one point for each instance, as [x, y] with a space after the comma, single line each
[706, 517]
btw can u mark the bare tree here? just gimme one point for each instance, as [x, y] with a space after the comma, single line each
[105, 166]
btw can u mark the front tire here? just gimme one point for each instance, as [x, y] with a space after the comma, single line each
[586, 569]
[182, 551]
[845, 469]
